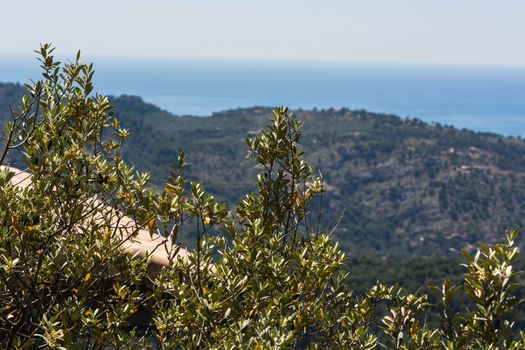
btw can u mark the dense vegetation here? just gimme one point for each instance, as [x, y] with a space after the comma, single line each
[401, 188]
[405, 187]
[272, 280]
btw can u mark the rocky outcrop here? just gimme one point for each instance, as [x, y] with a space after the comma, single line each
[135, 240]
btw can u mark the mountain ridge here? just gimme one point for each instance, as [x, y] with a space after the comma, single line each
[406, 187]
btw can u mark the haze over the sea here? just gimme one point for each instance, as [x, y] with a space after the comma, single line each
[435, 60]
[481, 98]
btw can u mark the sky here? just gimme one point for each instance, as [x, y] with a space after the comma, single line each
[467, 32]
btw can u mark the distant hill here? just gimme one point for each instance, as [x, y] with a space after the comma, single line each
[406, 188]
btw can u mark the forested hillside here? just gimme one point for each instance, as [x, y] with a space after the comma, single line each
[401, 187]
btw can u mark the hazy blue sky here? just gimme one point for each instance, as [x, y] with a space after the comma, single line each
[426, 31]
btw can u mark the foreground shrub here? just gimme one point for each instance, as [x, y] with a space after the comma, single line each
[264, 276]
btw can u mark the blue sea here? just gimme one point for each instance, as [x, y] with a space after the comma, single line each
[479, 98]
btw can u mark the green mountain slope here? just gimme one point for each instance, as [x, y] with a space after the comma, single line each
[402, 187]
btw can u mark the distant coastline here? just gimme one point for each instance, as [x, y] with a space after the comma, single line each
[489, 99]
